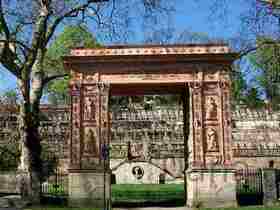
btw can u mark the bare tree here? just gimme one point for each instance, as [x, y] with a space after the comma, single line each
[261, 18]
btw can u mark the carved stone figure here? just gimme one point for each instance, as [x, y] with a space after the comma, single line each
[211, 109]
[90, 110]
[212, 141]
[146, 152]
[90, 144]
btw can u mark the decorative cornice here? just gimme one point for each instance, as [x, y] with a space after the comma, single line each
[153, 50]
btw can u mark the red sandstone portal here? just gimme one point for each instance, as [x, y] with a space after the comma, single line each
[201, 72]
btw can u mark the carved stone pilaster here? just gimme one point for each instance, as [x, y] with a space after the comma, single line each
[104, 123]
[196, 144]
[95, 129]
[75, 149]
[224, 87]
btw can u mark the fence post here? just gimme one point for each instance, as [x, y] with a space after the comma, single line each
[269, 186]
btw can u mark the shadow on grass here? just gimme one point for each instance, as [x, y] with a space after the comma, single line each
[54, 201]
[148, 203]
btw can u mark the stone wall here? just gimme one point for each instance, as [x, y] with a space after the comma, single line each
[256, 138]
[8, 181]
[156, 137]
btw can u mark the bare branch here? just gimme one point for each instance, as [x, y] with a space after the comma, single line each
[72, 13]
[8, 59]
[3, 22]
[252, 49]
[17, 42]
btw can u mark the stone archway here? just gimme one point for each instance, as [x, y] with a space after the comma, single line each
[200, 70]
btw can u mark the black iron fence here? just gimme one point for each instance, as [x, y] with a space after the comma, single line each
[249, 187]
[56, 184]
[278, 183]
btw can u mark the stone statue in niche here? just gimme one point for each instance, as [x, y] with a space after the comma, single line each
[90, 110]
[91, 145]
[211, 109]
[211, 140]
[146, 150]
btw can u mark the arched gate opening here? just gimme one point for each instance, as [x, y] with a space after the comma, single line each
[198, 72]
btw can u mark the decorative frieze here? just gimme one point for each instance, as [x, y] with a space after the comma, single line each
[153, 50]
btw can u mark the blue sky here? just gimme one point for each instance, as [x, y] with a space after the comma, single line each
[190, 15]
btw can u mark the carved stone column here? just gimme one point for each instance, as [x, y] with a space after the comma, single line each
[210, 177]
[89, 173]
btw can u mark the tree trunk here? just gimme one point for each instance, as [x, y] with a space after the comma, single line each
[30, 162]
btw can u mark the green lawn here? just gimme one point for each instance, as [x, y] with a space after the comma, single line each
[60, 208]
[246, 208]
[239, 208]
[137, 192]
[126, 193]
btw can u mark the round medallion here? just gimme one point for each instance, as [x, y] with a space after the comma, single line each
[138, 172]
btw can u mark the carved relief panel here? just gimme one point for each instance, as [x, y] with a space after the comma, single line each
[211, 108]
[212, 141]
[90, 143]
[90, 108]
[95, 125]
[213, 146]
[211, 132]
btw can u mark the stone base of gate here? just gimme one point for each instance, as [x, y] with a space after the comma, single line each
[87, 189]
[211, 188]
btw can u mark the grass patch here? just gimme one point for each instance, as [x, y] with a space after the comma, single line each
[238, 208]
[60, 208]
[246, 208]
[147, 191]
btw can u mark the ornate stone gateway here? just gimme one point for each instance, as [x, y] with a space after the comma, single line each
[200, 72]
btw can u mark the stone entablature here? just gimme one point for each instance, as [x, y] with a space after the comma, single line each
[153, 50]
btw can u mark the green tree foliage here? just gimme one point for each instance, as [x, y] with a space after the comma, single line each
[266, 63]
[239, 86]
[72, 36]
[253, 99]
[242, 92]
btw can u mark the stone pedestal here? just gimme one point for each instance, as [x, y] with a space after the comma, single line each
[211, 188]
[269, 186]
[86, 188]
